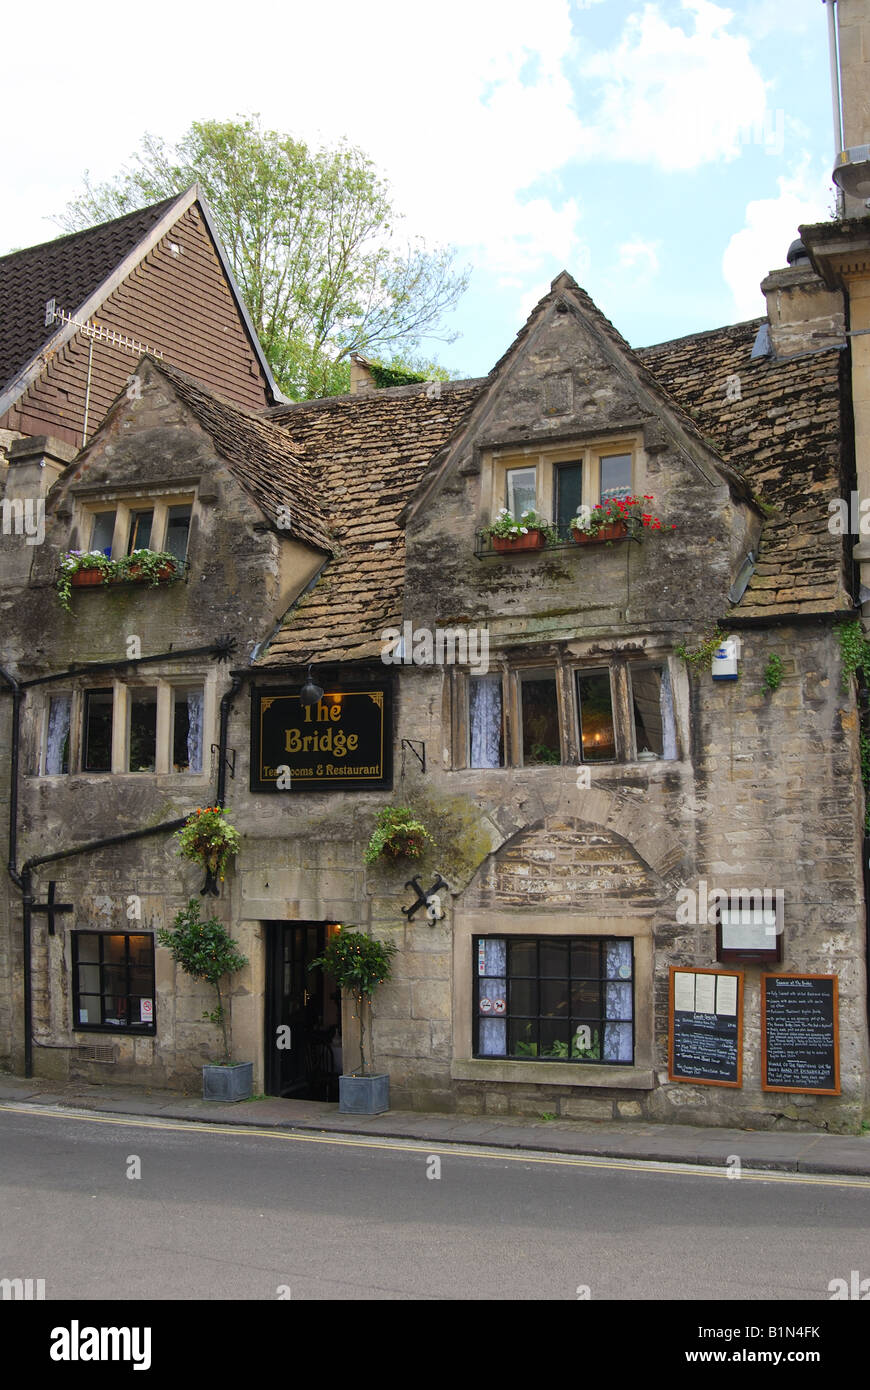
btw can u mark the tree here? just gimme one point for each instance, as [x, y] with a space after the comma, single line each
[312, 240]
[205, 951]
[358, 964]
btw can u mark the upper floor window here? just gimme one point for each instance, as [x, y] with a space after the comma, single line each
[125, 728]
[120, 528]
[556, 482]
[539, 716]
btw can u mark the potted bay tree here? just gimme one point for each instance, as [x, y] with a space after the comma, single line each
[206, 951]
[358, 964]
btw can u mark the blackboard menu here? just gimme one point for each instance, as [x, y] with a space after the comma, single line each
[800, 1034]
[706, 1026]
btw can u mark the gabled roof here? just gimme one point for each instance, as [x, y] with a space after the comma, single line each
[778, 423]
[653, 401]
[79, 272]
[365, 455]
[260, 456]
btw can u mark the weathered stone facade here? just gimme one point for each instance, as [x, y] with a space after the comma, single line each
[755, 789]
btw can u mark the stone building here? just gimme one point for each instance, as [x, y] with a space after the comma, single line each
[653, 879]
[587, 789]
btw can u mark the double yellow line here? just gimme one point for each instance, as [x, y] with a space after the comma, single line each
[457, 1150]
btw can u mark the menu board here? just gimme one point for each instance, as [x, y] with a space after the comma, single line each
[800, 1031]
[705, 1032]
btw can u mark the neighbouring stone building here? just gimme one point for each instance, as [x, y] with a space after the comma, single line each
[653, 879]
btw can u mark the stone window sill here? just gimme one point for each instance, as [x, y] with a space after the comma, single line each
[554, 1074]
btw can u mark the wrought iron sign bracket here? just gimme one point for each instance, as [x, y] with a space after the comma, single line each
[414, 744]
[230, 758]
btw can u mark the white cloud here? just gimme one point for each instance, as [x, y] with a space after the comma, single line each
[674, 98]
[639, 256]
[770, 228]
[465, 105]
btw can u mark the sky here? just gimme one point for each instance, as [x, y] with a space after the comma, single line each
[663, 153]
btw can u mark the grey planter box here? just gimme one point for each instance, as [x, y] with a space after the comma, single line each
[363, 1095]
[228, 1083]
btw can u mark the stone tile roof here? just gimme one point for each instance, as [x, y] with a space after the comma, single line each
[366, 454]
[261, 457]
[777, 423]
[69, 270]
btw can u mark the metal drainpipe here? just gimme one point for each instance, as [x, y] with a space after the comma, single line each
[12, 864]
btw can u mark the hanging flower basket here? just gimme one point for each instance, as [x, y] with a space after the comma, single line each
[397, 835]
[208, 839]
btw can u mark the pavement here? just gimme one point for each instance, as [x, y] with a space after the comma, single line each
[808, 1151]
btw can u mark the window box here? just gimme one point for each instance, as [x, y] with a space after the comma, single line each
[85, 578]
[617, 532]
[561, 1000]
[533, 540]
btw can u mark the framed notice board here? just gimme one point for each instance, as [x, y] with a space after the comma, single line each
[705, 1026]
[342, 743]
[800, 1034]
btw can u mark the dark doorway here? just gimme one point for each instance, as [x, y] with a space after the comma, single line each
[303, 1043]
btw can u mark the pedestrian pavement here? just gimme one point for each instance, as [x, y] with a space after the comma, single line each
[789, 1151]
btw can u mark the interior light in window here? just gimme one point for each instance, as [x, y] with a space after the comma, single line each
[595, 704]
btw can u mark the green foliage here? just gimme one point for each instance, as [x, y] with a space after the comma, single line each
[772, 678]
[506, 525]
[159, 566]
[854, 651]
[311, 236]
[560, 1049]
[855, 659]
[208, 839]
[398, 834]
[205, 951]
[702, 655]
[358, 964]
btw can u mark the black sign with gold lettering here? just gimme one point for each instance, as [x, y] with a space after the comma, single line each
[342, 743]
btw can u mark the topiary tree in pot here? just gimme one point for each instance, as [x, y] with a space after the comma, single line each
[358, 964]
[206, 951]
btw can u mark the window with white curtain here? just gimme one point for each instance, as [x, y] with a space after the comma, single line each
[563, 999]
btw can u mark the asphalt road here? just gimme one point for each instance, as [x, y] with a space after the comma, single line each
[238, 1214]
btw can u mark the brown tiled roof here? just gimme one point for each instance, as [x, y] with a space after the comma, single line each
[366, 454]
[261, 457]
[68, 270]
[782, 432]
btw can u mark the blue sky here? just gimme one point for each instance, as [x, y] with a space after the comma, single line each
[662, 152]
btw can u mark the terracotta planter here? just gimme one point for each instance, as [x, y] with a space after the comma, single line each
[617, 532]
[532, 540]
[140, 576]
[83, 579]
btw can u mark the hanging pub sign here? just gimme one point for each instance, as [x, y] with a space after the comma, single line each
[344, 742]
[706, 1026]
[800, 1034]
